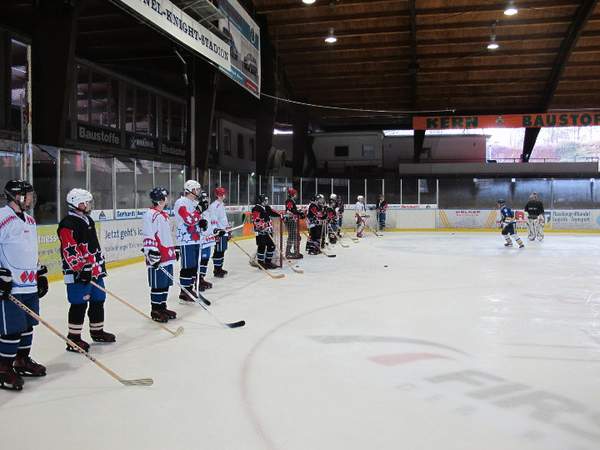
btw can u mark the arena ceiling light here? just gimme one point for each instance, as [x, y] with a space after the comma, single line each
[493, 45]
[511, 9]
[331, 39]
[308, 2]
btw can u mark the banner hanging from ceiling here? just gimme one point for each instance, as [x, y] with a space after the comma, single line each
[244, 36]
[566, 119]
[170, 19]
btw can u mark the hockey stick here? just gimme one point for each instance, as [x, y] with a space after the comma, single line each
[136, 382]
[275, 276]
[139, 311]
[372, 230]
[332, 231]
[295, 268]
[239, 323]
[323, 252]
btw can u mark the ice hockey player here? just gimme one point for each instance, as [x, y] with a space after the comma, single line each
[535, 214]
[381, 208]
[207, 241]
[82, 263]
[360, 213]
[190, 225]
[220, 227]
[332, 219]
[21, 277]
[340, 212]
[292, 219]
[263, 227]
[508, 224]
[160, 253]
[315, 218]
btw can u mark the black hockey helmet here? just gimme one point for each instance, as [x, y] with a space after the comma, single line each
[17, 187]
[501, 202]
[158, 194]
[262, 199]
[16, 190]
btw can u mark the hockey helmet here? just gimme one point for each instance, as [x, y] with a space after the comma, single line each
[190, 186]
[76, 197]
[360, 198]
[333, 197]
[17, 190]
[292, 192]
[320, 198]
[158, 194]
[220, 192]
[262, 199]
[501, 202]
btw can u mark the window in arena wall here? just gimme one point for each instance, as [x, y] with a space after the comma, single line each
[130, 109]
[252, 149]
[341, 151]
[241, 152]
[368, 151]
[83, 94]
[177, 122]
[227, 141]
[18, 82]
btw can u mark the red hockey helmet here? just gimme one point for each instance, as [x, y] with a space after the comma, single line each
[220, 192]
[292, 192]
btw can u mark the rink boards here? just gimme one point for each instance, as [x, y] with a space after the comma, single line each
[121, 239]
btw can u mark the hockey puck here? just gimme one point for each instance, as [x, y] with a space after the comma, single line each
[385, 265]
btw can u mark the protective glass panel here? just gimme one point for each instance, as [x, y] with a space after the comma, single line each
[72, 175]
[101, 182]
[45, 180]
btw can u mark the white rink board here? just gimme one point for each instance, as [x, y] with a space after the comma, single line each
[121, 239]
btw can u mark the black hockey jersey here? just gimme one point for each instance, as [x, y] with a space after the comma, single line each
[79, 245]
[291, 210]
[261, 217]
[315, 214]
[534, 208]
[381, 206]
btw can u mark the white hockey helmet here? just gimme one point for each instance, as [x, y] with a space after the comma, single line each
[360, 198]
[333, 197]
[77, 196]
[191, 185]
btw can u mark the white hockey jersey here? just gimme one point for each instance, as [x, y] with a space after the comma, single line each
[360, 208]
[157, 235]
[187, 218]
[218, 216]
[19, 250]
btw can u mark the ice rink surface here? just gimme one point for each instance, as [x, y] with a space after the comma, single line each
[415, 341]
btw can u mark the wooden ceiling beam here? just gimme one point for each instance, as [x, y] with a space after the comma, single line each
[321, 6]
[569, 42]
[413, 68]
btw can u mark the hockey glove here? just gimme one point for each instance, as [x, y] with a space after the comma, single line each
[5, 283]
[42, 281]
[84, 275]
[203, 224]
[219, 232]
[153, 258]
